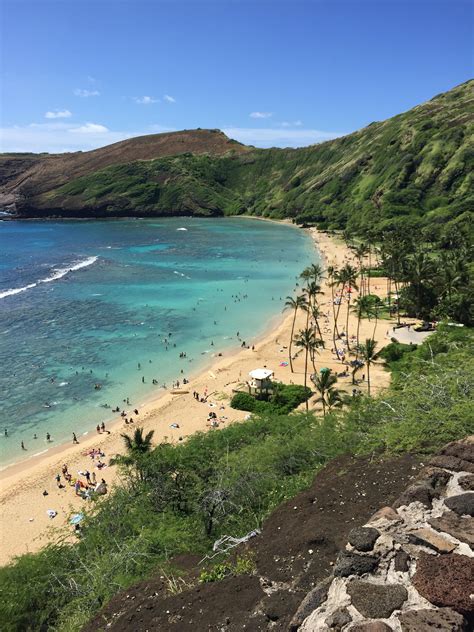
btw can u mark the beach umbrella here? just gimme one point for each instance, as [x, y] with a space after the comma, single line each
[76, 518]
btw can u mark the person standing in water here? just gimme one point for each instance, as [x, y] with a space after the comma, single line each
[74, 438]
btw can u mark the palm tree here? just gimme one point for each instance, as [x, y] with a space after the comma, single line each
[306, 340]
[420, 270]
[311, 291]
[334, 399]
[361, 251]
[350, 278]
[137, 446]
[332, 282]
[294, 303]
[313, 273]
[362, 308]
[323, 383]
[369, 355]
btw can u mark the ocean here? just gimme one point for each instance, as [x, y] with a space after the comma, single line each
[91, 312]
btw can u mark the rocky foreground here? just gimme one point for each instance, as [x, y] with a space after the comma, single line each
[410, 568]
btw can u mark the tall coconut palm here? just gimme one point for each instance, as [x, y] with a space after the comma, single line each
[323, 383]
[306, 340]
[361, 251]
[311, 291]
[332, 282]
[350, 280]
[369, 355]
[334, 399]
[361, 308]
[295, 304]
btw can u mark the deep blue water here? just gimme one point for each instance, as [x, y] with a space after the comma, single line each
[103, 297]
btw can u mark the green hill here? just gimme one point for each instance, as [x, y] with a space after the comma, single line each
[413, 169]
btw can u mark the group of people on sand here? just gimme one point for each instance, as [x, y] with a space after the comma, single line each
[85, 489]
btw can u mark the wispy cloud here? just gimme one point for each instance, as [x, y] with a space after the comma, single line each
[279, 137]
[89, 128]
[291, 123]
[260, 115]
[145, 100]
[58, 114]
[169, 99]
[80, 92]
[61, 136]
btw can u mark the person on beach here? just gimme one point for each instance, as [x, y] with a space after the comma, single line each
[6, 432]
[102, 427]
[74, 438]
[48, 437]
[23, 446]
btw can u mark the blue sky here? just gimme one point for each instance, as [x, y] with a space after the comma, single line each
[78, 74]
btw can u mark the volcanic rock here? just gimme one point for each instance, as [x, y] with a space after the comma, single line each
[371, 626]
[402, 561]
[420, 492]
[461, 528]
[462, 504]
[467, 482]
[338, 619]
[446, 580]
[354, 564]
[313, 600]
[443, 620]
[376, 601]
[432, 539]
[363, 538]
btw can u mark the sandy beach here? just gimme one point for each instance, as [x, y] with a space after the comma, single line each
[24, 522]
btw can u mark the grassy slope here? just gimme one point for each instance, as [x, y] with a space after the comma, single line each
[416, 164]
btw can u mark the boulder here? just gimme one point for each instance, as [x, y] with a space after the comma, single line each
[363, 538]
[313, 600]
[432, 539]
[467, 482]
[354, 564]
[338, 619]
[419, 492]
[460, 449]
[402, 561]
[452, 463]
[463, 504]
[442, 620]
[386, 513]
[461, 528]
[371, 626]
[376, 601]
[435, 477]
[446, 581]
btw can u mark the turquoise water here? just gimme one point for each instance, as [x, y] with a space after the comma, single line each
[86, 303]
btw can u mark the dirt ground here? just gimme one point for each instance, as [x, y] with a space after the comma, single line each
[296, 549]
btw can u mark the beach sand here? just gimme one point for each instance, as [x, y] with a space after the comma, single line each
[24, 523]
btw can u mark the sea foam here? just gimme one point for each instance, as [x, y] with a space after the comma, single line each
[58, 273]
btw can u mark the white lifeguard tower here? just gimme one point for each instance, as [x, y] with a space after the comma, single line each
[260, 381]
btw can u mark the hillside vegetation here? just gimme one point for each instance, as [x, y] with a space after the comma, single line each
[414, 169]
[181, 498]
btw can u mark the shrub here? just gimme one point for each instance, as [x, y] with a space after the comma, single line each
[243, 401]
[395, 351]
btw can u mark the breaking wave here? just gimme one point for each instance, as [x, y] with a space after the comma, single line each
[57, 273]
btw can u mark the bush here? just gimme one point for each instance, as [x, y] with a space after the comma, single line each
[243, 401]
[285, 398]
[395, 351]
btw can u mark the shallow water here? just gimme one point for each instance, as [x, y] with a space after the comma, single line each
[88, 303]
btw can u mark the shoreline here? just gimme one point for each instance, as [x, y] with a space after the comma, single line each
[152, 398]
[22, 485]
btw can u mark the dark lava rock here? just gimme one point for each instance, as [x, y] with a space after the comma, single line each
[313, 600]
[462, 504]
[444, 620]
[436, 477]
[420, 492]
[338, 619]
[461, 528]
[376, 601]
[363, 538]
[460, 449]
[354, 564]
[467, 482]
[446, 580]
[452, 463]
[371, 626]
[402, 561]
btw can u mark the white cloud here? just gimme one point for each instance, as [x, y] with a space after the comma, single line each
[260, 115]
[291, 123]
[278, 137]
[61, 136]
[79, 92]
[89, 128]
[145, 100]
[57, 114]
[169, 98]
